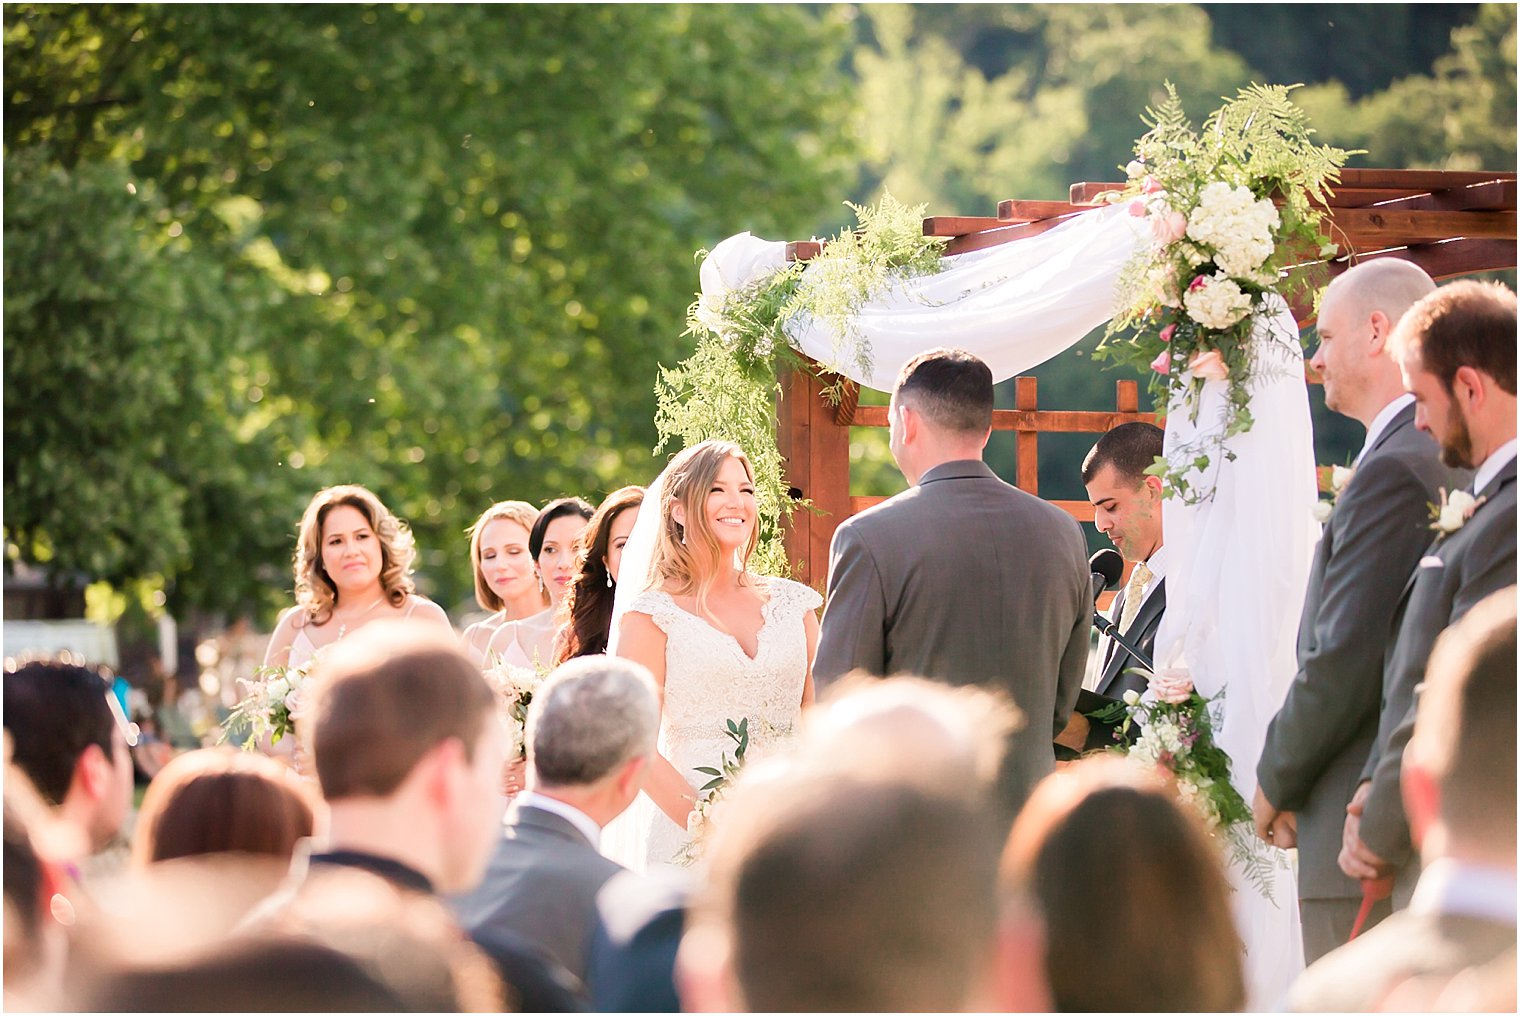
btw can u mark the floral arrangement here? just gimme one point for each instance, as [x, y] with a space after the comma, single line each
[514, 687]
[269, 705]
[1229, 208]
[710, 794]
[1332, 481]
[1177, 736]
[727, 387]
[1453, 511]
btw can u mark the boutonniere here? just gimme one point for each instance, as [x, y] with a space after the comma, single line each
[1453, 511]
[1332, 480]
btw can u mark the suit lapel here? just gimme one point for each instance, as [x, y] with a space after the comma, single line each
[1146, 616]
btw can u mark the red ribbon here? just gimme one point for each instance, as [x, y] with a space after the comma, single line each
[1374, 891]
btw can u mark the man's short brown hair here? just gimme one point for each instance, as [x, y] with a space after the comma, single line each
[951, 389]
[386, 696]
[1463, 324]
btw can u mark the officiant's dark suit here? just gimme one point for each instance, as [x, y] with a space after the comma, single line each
[1319, 740]
[1120, 673]
[962, 578]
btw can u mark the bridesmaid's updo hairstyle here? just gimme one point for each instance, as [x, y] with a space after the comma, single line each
[520, 512]
[316, 593]
[686, 557]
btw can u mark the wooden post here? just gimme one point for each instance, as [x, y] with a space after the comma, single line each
[1026, 395]
[815, 449]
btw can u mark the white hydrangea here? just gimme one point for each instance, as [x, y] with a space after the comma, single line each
[1236, 225]
[1218, 302]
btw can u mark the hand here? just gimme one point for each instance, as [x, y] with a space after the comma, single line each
[1075, 734]
[514, 776]
[1356, 860]
[1284, 831]
[1265, 813]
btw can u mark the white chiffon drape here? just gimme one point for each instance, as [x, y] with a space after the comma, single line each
[1237, 564]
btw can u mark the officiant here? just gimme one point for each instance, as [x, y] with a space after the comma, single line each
[1127, 509]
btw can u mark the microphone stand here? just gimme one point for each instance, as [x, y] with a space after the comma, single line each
[1109, 628]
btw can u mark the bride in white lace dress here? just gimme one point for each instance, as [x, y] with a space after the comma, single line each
[723, 644]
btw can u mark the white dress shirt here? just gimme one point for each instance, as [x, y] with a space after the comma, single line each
[584, 823]
[1501, 457]
[1380, 423]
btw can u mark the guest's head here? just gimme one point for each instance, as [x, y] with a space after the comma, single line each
[350, 544]
[1456, 351]
[1357, 315]
[589, 602]
[1126, 500]
[69, 737]
[958, 734]
[836, 894]
[35, 943]
[505, 578]
[555, 540]
[941, 411]
[408, 750]
[1459, 769]
[1132, 891]
[591, 733]
[223, 801]
[708, 518]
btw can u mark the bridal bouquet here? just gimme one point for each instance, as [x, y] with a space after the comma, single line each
[710, 794]
[514, 687]
[1228, 209]
[269, 704]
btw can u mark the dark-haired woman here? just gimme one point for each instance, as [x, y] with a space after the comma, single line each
[553, 543]
[588, 604]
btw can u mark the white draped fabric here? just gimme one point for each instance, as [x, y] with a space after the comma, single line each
[1237, 564]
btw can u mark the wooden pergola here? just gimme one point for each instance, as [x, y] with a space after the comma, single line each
[1448, 223]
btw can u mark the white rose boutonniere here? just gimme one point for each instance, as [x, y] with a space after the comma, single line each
[1331, 484]
[1453, 511]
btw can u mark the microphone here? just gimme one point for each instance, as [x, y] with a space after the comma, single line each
[1107, 568]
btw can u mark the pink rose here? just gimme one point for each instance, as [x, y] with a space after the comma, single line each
[1150, 186]
[1199, 281]
[1168, 332]
[1137, 208]
[1168, 227]
[1162, 364]
[1172, 685]
[1209, 365]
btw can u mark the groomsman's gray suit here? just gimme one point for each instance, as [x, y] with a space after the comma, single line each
[968, 580]
[1316, 746]
[1457, 572]
[540, 887]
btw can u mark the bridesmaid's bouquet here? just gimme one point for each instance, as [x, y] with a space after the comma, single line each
[269, 705]
[514, 687]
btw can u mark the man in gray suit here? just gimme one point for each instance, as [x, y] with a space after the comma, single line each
[1319, 741]
[591, 733]
[962, 578]
[1456, 351]
[1459, 787]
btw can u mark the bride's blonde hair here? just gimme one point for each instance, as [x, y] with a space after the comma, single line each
[686, 558]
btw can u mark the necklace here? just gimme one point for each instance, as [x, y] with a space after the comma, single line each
[343, 628]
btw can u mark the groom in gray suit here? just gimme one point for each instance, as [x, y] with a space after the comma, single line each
[1320, 739]
[962, 578]
[591, 734]
[1456, 351]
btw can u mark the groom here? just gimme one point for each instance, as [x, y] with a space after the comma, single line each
[962, 578]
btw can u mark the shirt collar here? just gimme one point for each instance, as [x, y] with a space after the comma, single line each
[1501, 457]
[584, 824]
[1382, 421]
[1157, 564]
[1452, 887]
[388, 868]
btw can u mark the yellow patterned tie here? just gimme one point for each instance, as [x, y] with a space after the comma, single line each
[1133, 595]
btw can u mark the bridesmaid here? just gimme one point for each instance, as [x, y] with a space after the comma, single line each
[506, 581]
[553, 542]
[353, 567]
[588, 605]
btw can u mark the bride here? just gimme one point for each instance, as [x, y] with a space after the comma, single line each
[722, 643]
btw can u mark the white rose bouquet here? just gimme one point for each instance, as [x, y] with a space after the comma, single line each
[514, 688]
[269, 705]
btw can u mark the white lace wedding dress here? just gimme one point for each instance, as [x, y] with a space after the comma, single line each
[709, 680]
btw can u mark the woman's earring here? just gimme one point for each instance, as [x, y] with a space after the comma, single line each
[609, 580]
[541, 587]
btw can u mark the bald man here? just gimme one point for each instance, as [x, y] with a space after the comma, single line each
[1320, 739]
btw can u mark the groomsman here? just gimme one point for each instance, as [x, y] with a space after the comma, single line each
[1456, 351]
[1127, 509]
[962, 578]
[1379, 527]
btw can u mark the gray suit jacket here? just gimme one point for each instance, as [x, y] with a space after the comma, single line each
[1457, 572]
[540, 887]
[967, 580]
[1318, 742]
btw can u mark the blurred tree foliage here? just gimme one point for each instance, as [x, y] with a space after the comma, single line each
[438, 250]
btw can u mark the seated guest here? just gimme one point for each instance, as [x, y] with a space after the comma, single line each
[588, 604]
[1132, 891]
[407, 748]
[590, 734]
[835, 893]
[1127, 509]
[223, 801]
[36, 948]
[1459, 793]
